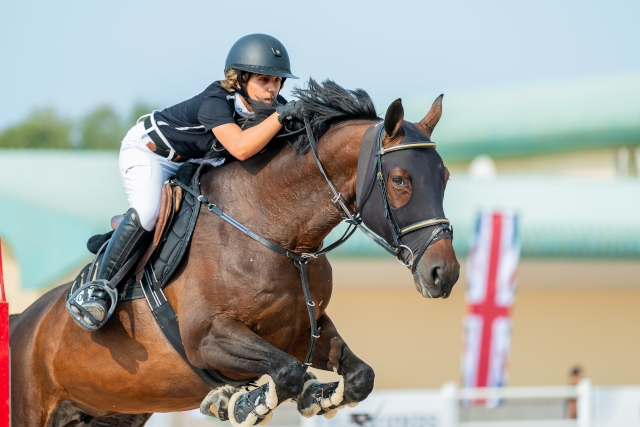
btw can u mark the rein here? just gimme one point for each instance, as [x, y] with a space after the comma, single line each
[354, 220]
[299, 260]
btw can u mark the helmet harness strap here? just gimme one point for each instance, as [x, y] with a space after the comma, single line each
[241, 90]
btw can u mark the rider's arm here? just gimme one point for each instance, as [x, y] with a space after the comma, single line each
[243, 144]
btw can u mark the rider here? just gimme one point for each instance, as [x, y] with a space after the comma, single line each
[256, 67]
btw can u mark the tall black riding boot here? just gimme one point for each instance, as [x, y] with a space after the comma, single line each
[127, 238]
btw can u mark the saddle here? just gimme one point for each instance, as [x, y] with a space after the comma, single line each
[176, 221]
[174, 227]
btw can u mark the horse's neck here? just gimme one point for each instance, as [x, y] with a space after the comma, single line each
[290, 193]
[338, 152]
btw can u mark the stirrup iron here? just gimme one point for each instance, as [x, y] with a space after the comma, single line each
[80, 315]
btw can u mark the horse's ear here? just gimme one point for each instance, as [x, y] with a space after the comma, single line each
[432, 118]
[393, 118]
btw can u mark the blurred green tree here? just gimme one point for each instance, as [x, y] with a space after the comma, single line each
[42, 129]
[101, 129]
[138, 110]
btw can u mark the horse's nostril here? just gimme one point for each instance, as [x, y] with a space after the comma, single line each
[435, 276]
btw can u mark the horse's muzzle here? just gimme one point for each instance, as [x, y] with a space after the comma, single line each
[437, 270]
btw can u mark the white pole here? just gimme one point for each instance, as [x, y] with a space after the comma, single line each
[308, 422]
[449, 393]
[584, 403]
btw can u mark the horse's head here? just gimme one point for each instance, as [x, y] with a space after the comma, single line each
[400, 190]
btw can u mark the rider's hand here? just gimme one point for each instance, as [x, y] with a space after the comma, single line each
[292, 110]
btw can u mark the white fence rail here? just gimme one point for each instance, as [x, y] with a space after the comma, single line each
[447, 407]
[519, 407]
[581, 393]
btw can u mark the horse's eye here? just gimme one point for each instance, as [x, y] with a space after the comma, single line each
[399, 182]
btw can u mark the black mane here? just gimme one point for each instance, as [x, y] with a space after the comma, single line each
[328, 103]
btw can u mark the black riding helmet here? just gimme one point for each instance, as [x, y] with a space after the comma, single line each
[259, 54]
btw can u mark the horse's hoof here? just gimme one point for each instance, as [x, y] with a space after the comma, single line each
[216, 404]
[253, 407]
[332, 413]
[318, 398]
[266, 420]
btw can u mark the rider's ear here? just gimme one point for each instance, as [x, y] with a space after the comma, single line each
[432, 118]
[393, 118]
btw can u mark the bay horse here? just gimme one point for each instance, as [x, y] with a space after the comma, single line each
[240, 305]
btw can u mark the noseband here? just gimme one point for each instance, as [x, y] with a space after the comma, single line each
[354, 220]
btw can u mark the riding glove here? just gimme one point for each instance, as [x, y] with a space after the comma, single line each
[292, 110]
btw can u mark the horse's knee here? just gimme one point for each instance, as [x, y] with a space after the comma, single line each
[288, 380]
[359, 383]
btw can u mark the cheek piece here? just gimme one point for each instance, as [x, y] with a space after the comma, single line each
[403, 231]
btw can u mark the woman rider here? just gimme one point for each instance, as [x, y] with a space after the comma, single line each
[256, 67]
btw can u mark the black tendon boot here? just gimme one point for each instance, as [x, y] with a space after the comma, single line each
[318, 398]
[94, 302]
[216, 404]
[247, 408]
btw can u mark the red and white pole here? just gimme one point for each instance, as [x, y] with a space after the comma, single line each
[5, 366]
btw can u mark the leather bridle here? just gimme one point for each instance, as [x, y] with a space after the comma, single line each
[377, 174]
[354, 220]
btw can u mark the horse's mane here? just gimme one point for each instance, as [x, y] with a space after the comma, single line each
[328, 103]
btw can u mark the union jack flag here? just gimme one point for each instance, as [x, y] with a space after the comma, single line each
[492, 264]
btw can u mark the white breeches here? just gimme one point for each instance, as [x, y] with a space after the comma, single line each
[143, 173]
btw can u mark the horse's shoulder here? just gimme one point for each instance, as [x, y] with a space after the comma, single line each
[40, 308]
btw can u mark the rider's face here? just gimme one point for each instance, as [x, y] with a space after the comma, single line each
[261, 87]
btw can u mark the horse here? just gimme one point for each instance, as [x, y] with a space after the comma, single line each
[240, 305]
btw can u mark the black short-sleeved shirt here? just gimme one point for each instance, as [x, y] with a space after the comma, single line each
[187, 125]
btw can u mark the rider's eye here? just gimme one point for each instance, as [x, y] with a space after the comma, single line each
[398, 182]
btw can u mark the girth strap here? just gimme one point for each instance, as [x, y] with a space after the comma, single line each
[167, 319]
[300, 260]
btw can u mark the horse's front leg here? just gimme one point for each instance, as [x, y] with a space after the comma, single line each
[229, 346]
[333, 354]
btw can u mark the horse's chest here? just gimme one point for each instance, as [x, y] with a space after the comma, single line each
[279, 313]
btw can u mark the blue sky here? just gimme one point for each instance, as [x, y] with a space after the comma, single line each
[76, 55]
